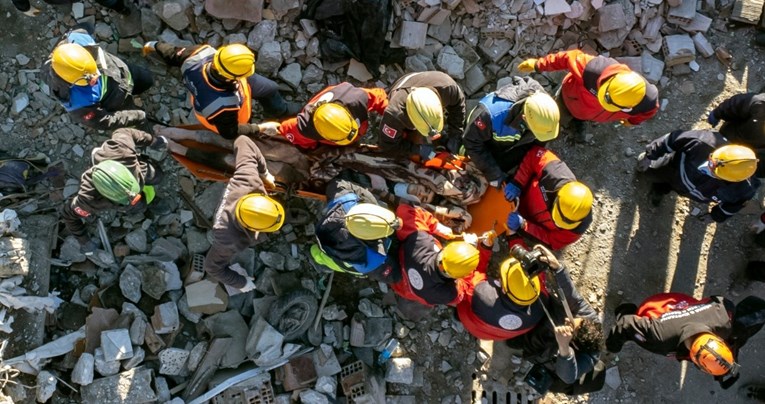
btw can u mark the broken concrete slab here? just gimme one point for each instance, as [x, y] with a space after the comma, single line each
[358, 71]
[104, 367]
[229, 324]
[137, 331]
[153, 280]
[129, 387]
[138, 356]
[165, 319]
[702, 45]
[370, 332]
[325, 361]
[652, 68]
[206, 368]
[556, 7]
[411, 35]
[611, 17]
[400, 370]
[297, 374]
[15, 258]
[70, 250]
[700, 23]
[46, 386]
[116, 344]
[172, 361]
[206, 297]
[474, 80]
[173, 13]
[196, 355]
[264, 343]
[99, 320]
[450, 63]
[248, 10]
[747, 11]
[130, 283]
[682, 14]
[82, 373]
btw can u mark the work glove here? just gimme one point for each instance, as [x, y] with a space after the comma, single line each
[712, 119]
[269, 128]
[528, 66]
[470, 238]
[758, 226]
[159, 143]
[495, 184]
[32, 12]
[149, 48]
[717, 214]
[515, 222]
[444, 231]
[488, 238]
[512, 191]
[268, 180]
[426, 152]
[643, 163]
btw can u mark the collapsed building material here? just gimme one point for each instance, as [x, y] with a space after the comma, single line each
[678, 49]
[747, 11]
[129, 387]
[31, 361]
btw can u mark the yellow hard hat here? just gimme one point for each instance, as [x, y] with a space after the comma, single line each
[423, 106]
[459, 259]
[367, 221]
[712, 355]
[572, 205]
[542, 115]
[621, 92]
[74, 64]
[258, 212]
[335, 123]
[733, 163]
[234, 61]
[516, 284]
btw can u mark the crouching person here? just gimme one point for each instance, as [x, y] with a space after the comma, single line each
[245, 211]
[355, 234]
[119, 179]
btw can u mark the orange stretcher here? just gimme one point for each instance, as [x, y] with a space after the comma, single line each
[490, 213]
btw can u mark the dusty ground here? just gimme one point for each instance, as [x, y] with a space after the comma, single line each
[632, 249]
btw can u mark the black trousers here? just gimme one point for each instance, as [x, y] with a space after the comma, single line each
[142, 78]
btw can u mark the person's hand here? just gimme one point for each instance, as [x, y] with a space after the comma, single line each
[548, 257]
[250, 285]
[149, 48]
[515, 222]
[269, 128]
[268, 180]
[527, 66]
[445, 232]
[512, 191]
[563, 335]
[643, 163]
[470, 238]
[488, 238]
[712, 119]
[32, 12]
[495, 184]
[426, 152]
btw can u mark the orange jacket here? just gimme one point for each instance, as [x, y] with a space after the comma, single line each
[580, 87]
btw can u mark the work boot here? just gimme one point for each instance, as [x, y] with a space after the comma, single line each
[657, 192]
[753, 392]
[625, 309]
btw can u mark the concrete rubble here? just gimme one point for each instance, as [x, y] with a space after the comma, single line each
[165, 323]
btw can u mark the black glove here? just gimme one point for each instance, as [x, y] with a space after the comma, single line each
[426, 152]
[717, 214]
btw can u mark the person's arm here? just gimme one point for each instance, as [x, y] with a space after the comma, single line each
[734, 109]
[476, 136]
[217, 263]
[72, 215]
[98, 118]
[557, 61]
[391, 139]
[377, 100]
[740, 194]
[555, 239]
[660, 151]
[290, 130]
[455, 111]
[640, 118]
[227, 123]
[579, 307]
[622, 331]
[532, 165]
[417, 219]
[573, 366]
[175, 55]
[132, 137]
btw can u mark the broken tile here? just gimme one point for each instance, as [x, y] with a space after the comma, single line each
[165, 319]
[172, 361]
[116, 344]
[206, 297]
[82, 373]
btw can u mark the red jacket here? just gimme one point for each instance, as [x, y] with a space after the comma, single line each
[421, 279]
[580, 87]
[487, 313]
[359, 101]
[540, 176]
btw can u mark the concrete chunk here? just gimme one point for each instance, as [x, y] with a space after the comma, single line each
[495, 49]
[248, 10]
[682, 14]
[612, 17]
[400, 370]
[747, 11]
[46, 386]
[264, 343]
[116, 344]
[137, 331]
[104, 367]
[555, 7]
[165, 319]
[358, 71]
[206, 297]
[138, 356]
[411, 34]
[82, 373]
[450, 63]
[700, 23]
[703, 45]
[132, 386]
[172, 361]
[678, 49]
[474, 80]
[130, 283]
[652, 68]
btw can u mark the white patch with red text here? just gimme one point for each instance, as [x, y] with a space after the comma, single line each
[389, 132]
[80, 211]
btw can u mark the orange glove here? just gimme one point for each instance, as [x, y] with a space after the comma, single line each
[446, 161]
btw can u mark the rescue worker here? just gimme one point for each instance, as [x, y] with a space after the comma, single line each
[506, 123]
[708, 332]
[413, 122]
[433, 274]
[355, 234]
[337, 116]
[222, 83]
[245, 211]
[120, 179]
[95, 87]
[744, 115]
[568, 352]
[703, 166]
[598, 88]
[551, 205]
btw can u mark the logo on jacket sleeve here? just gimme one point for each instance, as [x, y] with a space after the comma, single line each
[389, 132]
[479, 124]
[510, 322]
[415, 279]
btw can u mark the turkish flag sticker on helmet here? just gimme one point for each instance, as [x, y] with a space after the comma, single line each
[389, 132]
[479, 124]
